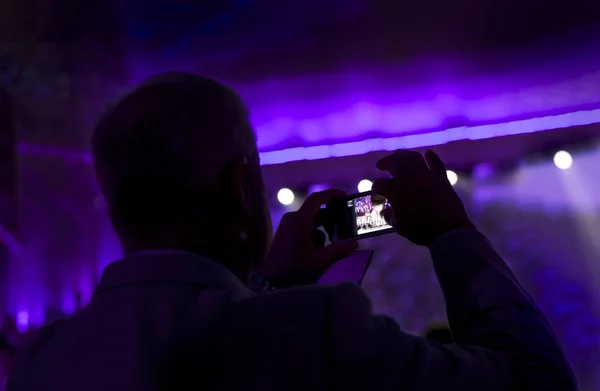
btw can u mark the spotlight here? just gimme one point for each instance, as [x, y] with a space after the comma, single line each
[563, 160]
[285, 196]
[365, 185]
[22, 321]
[452, 177]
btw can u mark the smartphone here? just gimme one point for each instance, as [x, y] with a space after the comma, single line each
[358, 216]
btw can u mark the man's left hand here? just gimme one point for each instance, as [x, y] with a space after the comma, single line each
[298, 255]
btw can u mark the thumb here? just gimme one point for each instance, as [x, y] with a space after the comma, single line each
[383, 187]
[336, 251]
[435, 163]
[318, 238]
[388, 215]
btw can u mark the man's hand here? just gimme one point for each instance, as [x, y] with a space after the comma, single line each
[298, 254]
[424, 204]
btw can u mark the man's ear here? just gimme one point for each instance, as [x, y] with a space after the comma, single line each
[242, 182]
[234, 185]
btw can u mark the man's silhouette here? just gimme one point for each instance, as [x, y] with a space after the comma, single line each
[175, 313]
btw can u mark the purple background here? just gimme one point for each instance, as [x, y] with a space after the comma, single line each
[351, 78]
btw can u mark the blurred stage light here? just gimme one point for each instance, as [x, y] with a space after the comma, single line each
[365, 185]
[483, 171]
[285, 196]
[452, 177]
[22, 321]
[563, 160]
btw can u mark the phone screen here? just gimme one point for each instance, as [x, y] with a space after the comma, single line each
[367, 214]
[358, 216]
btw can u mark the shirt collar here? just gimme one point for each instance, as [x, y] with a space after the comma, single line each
[167, 266]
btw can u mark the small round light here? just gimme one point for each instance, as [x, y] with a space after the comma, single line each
[452, 177]
[365, 185]
[285, 196]
[22, 321]
[563, 160]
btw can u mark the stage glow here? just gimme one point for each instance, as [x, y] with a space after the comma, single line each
[452, 177]
[317, 188]
[482, 132]
[359, 147]
[22, 321]
[285, 196]
[483, 171]
[365, 185]
[563, 160]
[11, 243]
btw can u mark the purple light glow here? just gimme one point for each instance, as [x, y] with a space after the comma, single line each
[434, 138]
[483, 171]
[532, 125]
[22, 321]
[317, 188]
[10, 241]
[292, 118]
[69, 304]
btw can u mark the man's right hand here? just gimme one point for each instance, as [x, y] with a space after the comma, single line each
[424, 204]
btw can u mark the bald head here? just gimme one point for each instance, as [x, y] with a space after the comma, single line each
[163, 148]
[175, 129]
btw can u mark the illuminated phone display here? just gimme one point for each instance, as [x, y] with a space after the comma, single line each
[360, 216]
[368, 215]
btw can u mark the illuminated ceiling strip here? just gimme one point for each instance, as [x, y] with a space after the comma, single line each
[532, 125]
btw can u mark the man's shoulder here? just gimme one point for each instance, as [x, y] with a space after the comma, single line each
[303, 304]
[345, 291]
[47, 332]
[306, 320]
[27, 357]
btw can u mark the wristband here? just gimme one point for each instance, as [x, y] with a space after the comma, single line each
[258, 283]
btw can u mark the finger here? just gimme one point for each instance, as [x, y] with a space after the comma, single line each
[287, 218]
[318, 238]
[336, 251]
[435, 163]
[324, 219]
[313, 202]
[389, 217]
[321, 218]
[329, 227]
[403, 161]
[383, 187]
